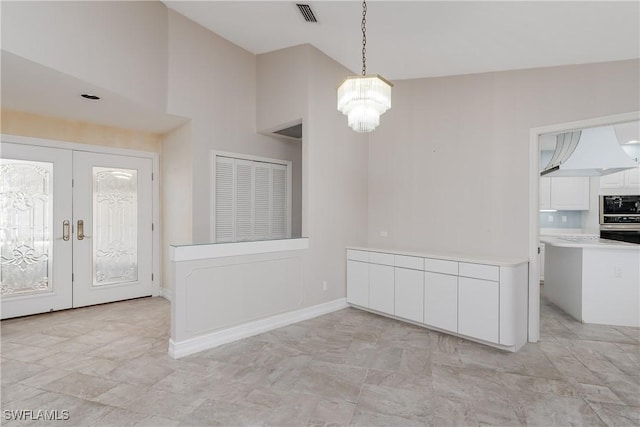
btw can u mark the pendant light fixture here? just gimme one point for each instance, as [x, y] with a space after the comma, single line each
[364, 98]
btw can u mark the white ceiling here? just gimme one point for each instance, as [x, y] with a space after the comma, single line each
[405, 40]
[433, 38]
[28, 86]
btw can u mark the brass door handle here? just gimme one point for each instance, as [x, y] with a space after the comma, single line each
[80, 229]
[65, 230]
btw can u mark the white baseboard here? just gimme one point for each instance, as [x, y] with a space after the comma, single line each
[166, 294]
[235, 333]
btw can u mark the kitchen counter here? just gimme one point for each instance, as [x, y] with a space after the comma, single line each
[594, 280]
[587, 241]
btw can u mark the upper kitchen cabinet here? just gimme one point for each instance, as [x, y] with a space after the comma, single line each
[628, 179]
[564, 193]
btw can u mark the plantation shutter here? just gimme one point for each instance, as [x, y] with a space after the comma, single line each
[251, 200]
[262, 201]
[244, 200]
[279, 200]
[224, 188]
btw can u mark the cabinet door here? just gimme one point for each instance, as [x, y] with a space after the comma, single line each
[441, 301]
[570, 193]
[632, 178]
[358, 283]
[478, 308]
[545, 193]
[409, 294]
[613, 180]
[381, 288]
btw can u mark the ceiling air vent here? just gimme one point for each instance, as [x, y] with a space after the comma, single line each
[306, 11]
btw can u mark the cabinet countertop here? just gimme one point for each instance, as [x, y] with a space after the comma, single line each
[474, 259]
[588, 243]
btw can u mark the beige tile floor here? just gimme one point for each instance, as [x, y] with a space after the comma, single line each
[108, 365]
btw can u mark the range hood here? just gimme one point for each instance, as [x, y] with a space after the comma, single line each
[589, 152]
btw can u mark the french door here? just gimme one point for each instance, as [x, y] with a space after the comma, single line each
[75, 228]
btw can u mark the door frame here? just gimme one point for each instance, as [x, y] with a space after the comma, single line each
[155, 160]
[534, 203]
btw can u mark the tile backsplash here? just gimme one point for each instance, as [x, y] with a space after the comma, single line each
[572, 219]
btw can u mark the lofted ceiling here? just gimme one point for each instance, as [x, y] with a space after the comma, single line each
[413, 39]
[34, 88]
[405, 40]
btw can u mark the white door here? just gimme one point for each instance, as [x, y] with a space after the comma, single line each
[35, 229]
[112, 212]
[75, 228]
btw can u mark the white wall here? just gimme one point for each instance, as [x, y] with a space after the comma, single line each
[300, 82]
[449, 165]
[117, 45]
[336, 181]
[177, 189]
[279, 101]
[213, 82]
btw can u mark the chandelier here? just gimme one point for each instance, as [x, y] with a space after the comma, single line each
[364, 98]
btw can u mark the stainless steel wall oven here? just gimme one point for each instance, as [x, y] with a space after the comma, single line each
[620, 218]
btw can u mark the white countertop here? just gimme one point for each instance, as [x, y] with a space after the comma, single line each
[587, 241]
[474, 259]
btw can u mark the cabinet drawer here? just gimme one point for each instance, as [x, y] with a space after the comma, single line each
[412, 262]
[441, 266]
[381, 258]
[357, 255]
[480, 271]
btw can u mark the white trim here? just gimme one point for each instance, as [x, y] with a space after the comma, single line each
[166, 294]
[155, 234]
[220, 250]
[534, 203]
[76, 146]
[214, 339]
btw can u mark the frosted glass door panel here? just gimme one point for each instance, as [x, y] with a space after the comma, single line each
[26, 197]
[115, 225]
[112, 213]
[35, 202]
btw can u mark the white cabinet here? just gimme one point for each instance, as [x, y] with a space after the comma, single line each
[564, 193]
[473, 299]
[358, 283]
[478, 308]
[409, 294]
[613, 180]
[441, 301]
[632, 178]
[570, 193]
[629, 178]
[545, 193]
[381, 288]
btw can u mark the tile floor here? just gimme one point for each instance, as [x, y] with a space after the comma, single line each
[108, 365]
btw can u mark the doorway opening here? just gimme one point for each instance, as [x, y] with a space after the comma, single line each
[537, 139]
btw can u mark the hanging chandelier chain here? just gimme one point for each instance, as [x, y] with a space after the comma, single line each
[364, 37]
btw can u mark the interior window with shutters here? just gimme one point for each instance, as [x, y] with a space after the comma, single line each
[251, 200]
